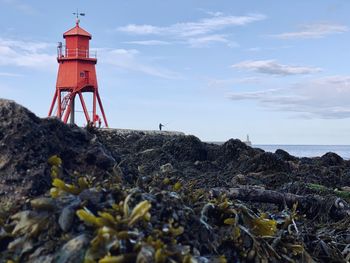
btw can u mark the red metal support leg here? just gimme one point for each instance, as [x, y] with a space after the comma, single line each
[59, 103]
[68, 109]
[84, 107]
[94, 107]
[102, 110]
[52, 103]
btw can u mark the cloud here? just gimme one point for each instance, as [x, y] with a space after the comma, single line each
[325, 98]
[186, 29]
[314, 31]
[35, 55]
[8, 74]
[141, 29]
[259, 49]
[204, 41]
[26, 54]
[199, 31]
[19, 5]
[214, 13]
[225, 83]
[149, 42]
[274, 68]
[130, 60]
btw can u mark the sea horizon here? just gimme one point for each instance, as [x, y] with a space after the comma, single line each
[305, 150]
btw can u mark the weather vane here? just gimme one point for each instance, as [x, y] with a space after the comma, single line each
[77, 14]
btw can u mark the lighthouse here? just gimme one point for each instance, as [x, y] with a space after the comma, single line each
[76, 77]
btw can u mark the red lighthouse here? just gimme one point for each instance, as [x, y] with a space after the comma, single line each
[76, 76]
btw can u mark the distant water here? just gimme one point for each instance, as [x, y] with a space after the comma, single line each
[308, 150]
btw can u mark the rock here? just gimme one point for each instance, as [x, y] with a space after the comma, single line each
[91, 195]
[42, 259]
[26, 143]
[99, 157]
[267, 162]
[43, 203]
[66, 218]
[166, 168]
[74, 250]
[331, 159]
[346, 188]
[238, 180]
[146, 255]
[183, 221]
[186, 148]
[283, 155]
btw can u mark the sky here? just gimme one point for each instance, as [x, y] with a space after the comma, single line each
[276, 70]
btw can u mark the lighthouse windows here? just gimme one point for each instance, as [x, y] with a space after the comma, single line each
[82, 74]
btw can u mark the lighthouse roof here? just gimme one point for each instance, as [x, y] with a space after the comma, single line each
[77, 31]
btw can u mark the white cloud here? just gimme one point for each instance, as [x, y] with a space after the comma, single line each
[204, 41]
[259, 49]
[186, 29]
[130, 60]
[225, 83]
[314, 31]
[140, 29]
[215, 13]
[199, 31]
[274, 68]
[8, 74]
[325, 98]
[26, 54]
[149, 42]
[19, 5]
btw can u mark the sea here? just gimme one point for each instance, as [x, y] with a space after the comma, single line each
[304, 150]
[308, 150]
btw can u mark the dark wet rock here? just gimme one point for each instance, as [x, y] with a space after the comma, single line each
[231, 151]
[74, 250]
[26, 143]
[91, 195]
[331, 159]
[266, 162]
[285, 156]
[166, 168]
[174, 174]
[66, 218]
[186, 148]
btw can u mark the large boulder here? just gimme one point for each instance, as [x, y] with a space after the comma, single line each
[26, 143]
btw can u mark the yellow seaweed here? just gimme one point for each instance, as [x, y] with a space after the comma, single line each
[126, 208]
[112, 259]
[159, 256]
[177, 186]
[176, 231]
[54, 192]
[222, 259]
[54, 171]
[55, 160]
[236, 232]
[83, 183]
[65, 187]
[229, 221]
[188, 259]
[166, 181]
[86, 216]
[139, 211]
[264, 227]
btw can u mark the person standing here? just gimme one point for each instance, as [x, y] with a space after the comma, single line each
[160, 126]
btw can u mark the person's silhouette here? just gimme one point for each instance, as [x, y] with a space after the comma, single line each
[160, 126]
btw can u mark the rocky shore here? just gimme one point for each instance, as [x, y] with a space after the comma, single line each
[69, 194]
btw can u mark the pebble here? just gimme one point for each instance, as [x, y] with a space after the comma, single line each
[73, 251]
